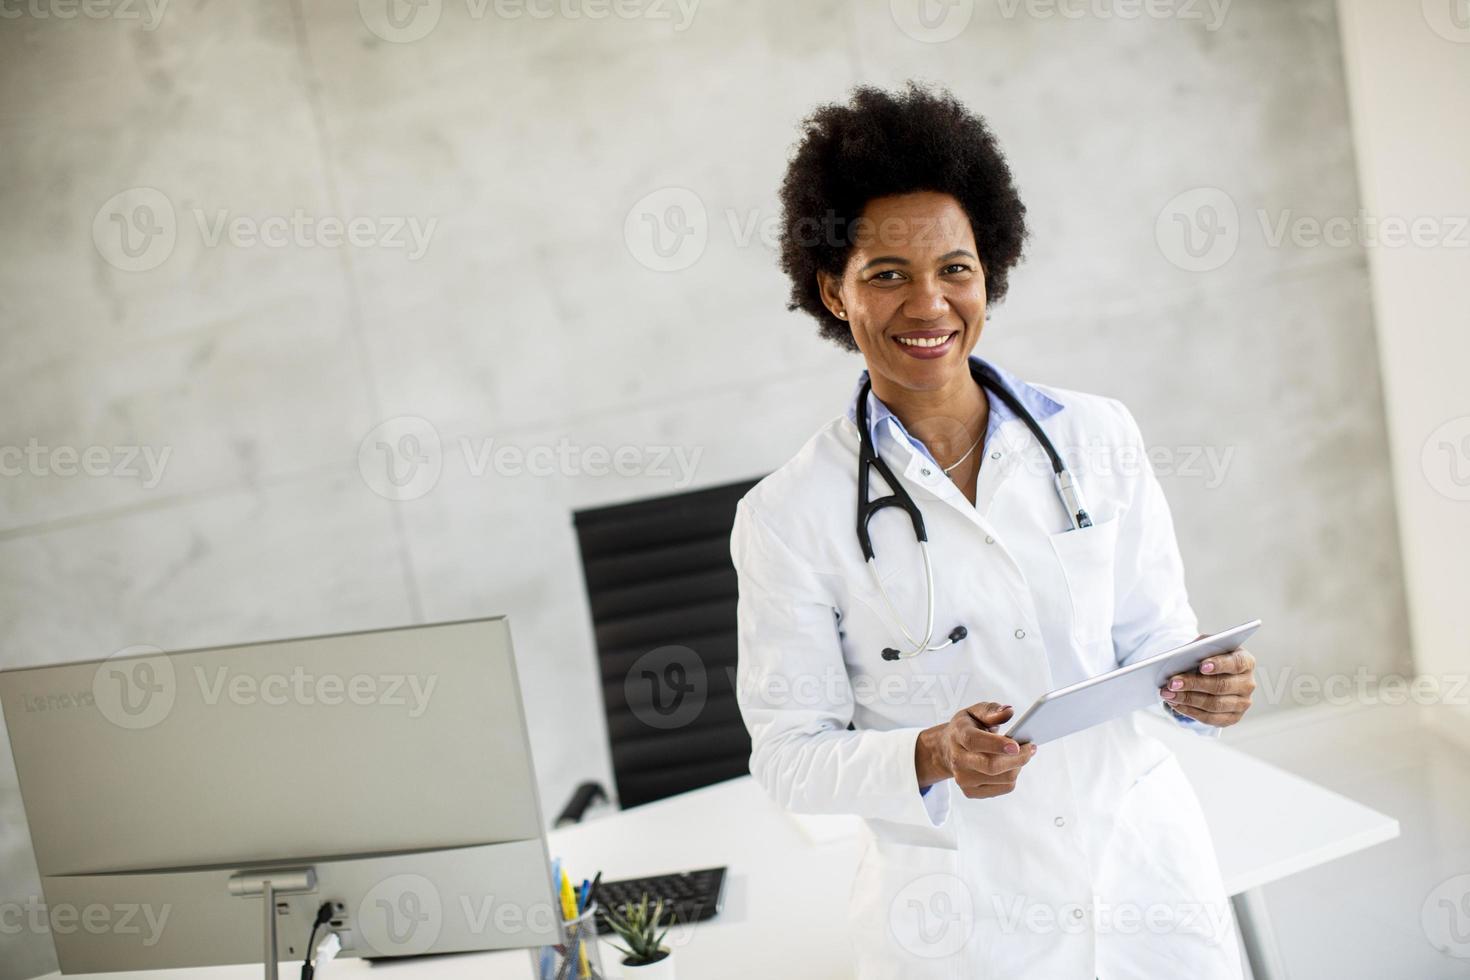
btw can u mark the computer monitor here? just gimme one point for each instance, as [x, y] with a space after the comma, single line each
[387, 773]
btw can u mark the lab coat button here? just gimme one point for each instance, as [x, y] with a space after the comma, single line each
[925, 472]
[1076, 913]
[1059, 821]
[989, 539]
[1020, 634]
[995, 455]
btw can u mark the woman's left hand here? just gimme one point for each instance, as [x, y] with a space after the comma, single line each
[1218, 692]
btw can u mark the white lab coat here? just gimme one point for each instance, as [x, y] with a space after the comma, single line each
[1099, 863]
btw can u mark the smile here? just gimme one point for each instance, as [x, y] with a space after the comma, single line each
[928, 344]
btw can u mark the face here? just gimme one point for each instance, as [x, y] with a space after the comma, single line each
[913, 291]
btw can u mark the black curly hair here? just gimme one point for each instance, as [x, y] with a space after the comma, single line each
[885, 143]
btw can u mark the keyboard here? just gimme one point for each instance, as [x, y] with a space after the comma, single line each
[691, 896]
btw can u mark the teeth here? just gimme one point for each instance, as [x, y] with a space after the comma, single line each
[924, 341]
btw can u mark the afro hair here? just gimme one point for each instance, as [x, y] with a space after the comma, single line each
[881, 144]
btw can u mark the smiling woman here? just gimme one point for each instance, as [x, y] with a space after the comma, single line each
[901, 225]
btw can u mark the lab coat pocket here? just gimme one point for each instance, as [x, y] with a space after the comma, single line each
[1086, 556]
[914, 914]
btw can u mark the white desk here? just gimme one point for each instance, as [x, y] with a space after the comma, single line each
[785, 911]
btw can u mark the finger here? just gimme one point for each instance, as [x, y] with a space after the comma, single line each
[989, 713]
[1228, 703]
[975, 740]
[1216, 719]
[990, 763]
[1223, 684]
[988, 791]
[1234, 662]
[987, 786]
[971, 779]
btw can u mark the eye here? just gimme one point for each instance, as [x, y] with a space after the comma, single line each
[887, 275]
[956, 268]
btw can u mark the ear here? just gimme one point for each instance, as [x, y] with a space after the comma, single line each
[830, 288]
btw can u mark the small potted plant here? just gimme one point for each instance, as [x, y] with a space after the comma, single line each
[644, 954]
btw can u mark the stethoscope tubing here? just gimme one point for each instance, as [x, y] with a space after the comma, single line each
[869, 459]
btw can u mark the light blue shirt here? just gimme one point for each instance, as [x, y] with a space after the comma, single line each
[880, 419]
[1041, 406]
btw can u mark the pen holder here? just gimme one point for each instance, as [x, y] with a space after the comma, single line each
[577, 955]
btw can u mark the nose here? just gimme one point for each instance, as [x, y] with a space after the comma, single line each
[925, 301]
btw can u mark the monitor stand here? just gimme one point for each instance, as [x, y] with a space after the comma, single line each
[269, 884]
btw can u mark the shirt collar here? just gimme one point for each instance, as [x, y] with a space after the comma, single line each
[1041, 406]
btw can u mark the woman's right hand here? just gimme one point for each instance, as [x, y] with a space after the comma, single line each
[968, 750]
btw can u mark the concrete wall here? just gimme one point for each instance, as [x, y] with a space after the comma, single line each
[545, 151]
[1409, 74]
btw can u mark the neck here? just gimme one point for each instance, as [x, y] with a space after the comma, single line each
[947, 419]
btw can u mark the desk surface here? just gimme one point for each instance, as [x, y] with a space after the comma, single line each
[786, 900]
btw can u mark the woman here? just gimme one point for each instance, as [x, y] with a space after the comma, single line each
[988, 858]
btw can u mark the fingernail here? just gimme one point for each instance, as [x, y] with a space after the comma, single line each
[1175, 684]
[1012, 748]
[1169, 695]
[1004, 707]
[1207, 668]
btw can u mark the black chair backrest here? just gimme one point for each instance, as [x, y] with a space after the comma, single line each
[662, 591]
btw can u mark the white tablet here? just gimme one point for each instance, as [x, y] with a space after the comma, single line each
[1111, 695]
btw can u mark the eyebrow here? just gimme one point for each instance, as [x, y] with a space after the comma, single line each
[900, 260]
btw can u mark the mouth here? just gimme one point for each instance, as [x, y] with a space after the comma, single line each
[927, 344]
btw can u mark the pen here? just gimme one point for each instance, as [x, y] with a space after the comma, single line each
[569, 912]
[592, 889]
[582, 894]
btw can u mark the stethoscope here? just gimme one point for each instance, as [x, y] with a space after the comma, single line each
[899, 497]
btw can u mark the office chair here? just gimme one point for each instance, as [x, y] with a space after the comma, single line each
[662, 593]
